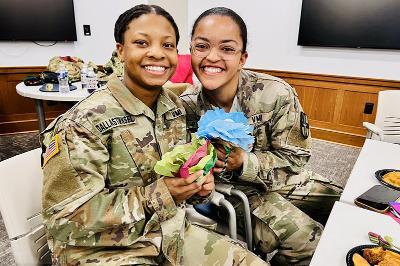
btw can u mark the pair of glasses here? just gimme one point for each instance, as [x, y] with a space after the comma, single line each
[224, 51]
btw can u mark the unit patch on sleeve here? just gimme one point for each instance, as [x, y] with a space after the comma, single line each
[51, 150]
[114, 122]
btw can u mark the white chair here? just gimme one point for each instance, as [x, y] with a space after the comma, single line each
[20, 206]
[387, 121]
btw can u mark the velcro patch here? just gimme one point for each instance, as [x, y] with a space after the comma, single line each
[114, 122]
[177, 112]
[260, 118]
[51, 150]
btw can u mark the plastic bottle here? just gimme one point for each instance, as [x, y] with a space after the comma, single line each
[63, 79]
[84, 72]
[91, 80]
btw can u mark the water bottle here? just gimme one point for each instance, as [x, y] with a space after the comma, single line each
[63, 79]
[84, 72]
[91, 80]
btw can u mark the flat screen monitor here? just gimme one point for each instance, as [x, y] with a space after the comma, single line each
[350, 23]
[37, 20]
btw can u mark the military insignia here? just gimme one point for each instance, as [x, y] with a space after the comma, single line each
[175, 113]
[51, 150]
[304, 126]
[114, 122]
[260, 118]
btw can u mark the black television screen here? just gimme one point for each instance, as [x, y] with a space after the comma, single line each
[350, 23]
[37, 20]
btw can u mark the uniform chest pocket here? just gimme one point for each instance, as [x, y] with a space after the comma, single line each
[144, 154]
[262, 130]
[175, 132]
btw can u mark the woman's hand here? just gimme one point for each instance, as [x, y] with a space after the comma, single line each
[235, 159]
[208, 185]
[183, 188]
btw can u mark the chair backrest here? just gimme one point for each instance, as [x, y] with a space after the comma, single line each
[20, 206]
[388, 115]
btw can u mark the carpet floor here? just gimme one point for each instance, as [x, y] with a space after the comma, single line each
[328, 159]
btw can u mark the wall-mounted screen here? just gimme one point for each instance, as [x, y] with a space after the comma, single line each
[37, 20]
[350, 23]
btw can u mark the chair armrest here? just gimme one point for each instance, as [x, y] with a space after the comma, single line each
[372, 128]
[224, 188]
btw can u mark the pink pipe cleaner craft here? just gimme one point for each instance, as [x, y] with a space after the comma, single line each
[229, 129]
[187, 159]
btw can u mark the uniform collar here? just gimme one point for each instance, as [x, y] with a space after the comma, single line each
[240, 94]
[135, 106]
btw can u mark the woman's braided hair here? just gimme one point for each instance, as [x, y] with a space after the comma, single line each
[125, 18]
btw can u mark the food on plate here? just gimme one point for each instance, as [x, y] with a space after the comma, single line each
[390, 258]
[389, 262]
[377, 256]
[373, 255]
[392, 178]
[358, 260]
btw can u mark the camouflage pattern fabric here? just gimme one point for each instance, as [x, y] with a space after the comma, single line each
[114, 65]
[207, 248]
[102, 202]
[276, 163]
[72, 64]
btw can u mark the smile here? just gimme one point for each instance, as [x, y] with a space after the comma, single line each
[155, 69]
[212, 70]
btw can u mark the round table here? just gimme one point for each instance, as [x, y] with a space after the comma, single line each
[34, 93]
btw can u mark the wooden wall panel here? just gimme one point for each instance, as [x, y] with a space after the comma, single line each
[335, 104]
[17, 113]
[352, 112]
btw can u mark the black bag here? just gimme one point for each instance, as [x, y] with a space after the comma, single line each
[44, 77]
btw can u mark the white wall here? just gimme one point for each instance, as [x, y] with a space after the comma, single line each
[179, 11]
[99, 14]
[273, 29]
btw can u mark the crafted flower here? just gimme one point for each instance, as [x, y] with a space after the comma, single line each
[230, 127]
[187, 159]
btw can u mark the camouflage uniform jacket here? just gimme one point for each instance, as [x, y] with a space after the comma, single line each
[100, 192]
[280, 151]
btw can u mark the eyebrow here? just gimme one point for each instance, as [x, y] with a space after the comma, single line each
[147, 35]
[207, 40]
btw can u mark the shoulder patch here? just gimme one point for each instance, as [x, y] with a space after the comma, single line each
[114, 122]
[51, 150]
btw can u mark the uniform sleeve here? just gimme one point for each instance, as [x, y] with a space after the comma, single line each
[80, 210]
[285, 150]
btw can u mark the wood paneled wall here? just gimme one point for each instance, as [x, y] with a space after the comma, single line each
[17, 113]
[334, 104]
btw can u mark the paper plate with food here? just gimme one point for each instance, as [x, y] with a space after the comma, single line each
[365, 255]
[389, 177]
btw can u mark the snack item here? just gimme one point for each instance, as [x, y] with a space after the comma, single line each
[389, 262]
[358, 260]
[373, 255]
[392, 178]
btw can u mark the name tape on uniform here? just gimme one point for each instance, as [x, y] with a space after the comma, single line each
[175, 113]
[260, 118]
[114, 122]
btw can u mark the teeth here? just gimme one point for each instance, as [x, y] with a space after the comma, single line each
[213, 69]
[155, 68]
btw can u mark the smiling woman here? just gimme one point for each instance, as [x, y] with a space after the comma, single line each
[103, 203]
[283, 195]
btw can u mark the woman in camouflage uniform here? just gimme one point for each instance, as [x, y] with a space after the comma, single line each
[102, 202]
[281, 191]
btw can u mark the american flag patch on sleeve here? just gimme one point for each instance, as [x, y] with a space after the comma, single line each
[51, 150]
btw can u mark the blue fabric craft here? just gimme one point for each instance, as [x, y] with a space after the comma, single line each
[230, 127]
